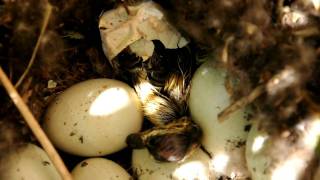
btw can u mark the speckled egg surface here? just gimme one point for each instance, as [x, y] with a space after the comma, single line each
[28, 162]
[194, 167]
[225, 141]
[94, 117]
[99, 169]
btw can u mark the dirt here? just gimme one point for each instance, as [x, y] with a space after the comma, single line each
[260, 45]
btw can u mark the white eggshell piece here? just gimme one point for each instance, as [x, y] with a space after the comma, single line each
[94, 117]
[277, 157]
[99, 169]
[118, 29]
[28, 163]
[194, 167]
[225, 141]
[142, 48]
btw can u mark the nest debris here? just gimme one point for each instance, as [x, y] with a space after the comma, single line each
[273, 44]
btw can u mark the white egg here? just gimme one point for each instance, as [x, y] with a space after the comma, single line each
[99, 169]
[284, 155]
[194, 167]
[94, 117]
[28, 162]
[225, 141]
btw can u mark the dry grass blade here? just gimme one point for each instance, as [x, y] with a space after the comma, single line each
[46, 18]
[241, 103]
[35, 127]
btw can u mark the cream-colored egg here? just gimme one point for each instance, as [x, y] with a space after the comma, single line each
[225, 141]
[94, 117]
[282, 156]
[99, 169]
[194, 167]
[28, 162]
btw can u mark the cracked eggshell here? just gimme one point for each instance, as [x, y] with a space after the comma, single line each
[28, 162]
[285, 155]
[118, 29]
[142, 48]
[93, 117]
[99, 169]
[225, 141]
[194, 167]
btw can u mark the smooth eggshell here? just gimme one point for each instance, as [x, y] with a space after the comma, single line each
[94, 117]
[194, 167]
[28, 162]
[99, 169]
[225, 141]
[282, 156]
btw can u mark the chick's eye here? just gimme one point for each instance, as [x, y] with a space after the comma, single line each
[129, 61]
[153, 142]
[157, 78]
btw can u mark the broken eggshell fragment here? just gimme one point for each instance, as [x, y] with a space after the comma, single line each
[142, 48]
[282, 155]
[93, 117]
[146, 21]
[225, 141]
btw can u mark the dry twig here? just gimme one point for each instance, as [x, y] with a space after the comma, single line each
[34, 126]
[36, 48]
[241, 103]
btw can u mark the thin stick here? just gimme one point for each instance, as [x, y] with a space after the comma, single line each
[241, 102]
[36, 48]
[35, 127]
